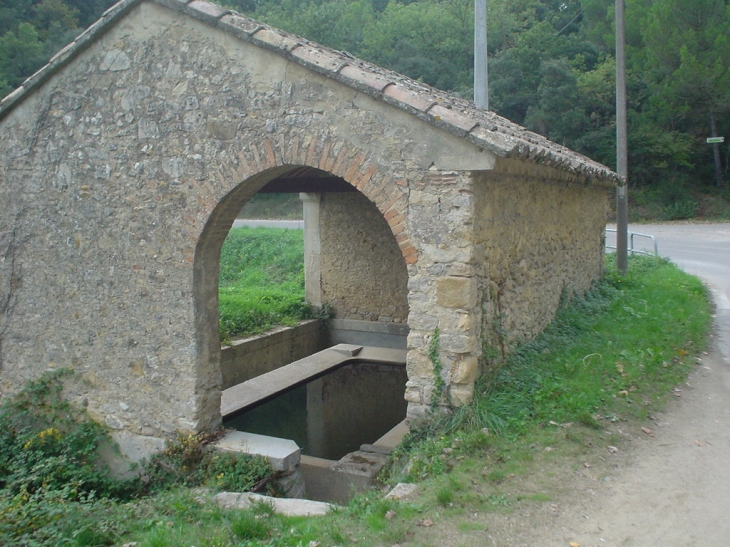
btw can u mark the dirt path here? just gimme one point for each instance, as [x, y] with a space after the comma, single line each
[673, 488]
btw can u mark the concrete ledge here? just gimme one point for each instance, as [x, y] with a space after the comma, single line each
[282, 454]
[368, 333]
[246, 358]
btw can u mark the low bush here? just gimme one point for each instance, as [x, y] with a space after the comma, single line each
[56, 490]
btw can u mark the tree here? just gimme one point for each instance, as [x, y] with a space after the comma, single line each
[20, 54]
[688, 56]
[427, 40]
[52, 17]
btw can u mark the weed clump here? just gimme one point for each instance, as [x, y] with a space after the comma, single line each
[51, 478]
[189, 461]
[56, 490]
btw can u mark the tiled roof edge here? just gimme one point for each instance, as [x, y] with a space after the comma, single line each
[449, 112]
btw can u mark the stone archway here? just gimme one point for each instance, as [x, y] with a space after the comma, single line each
[369, 230]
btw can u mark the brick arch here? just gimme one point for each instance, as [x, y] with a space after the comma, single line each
[338, 157]
[237, 181]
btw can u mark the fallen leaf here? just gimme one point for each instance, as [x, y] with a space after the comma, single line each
[647, 431]
[426, 522]
[390, 515]
[574, 544]
[586, 465]
[699, 443]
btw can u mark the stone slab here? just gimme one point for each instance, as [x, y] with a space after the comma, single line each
[283, 454]
[363, 464]
[290, 507]
[403, 491]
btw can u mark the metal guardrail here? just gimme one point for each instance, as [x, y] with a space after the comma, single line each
[632, 249]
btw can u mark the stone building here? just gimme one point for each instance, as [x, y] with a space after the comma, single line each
[125, 160]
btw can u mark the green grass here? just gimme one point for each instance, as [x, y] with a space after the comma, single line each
[261, 281]
[614, 352]
[608, 360]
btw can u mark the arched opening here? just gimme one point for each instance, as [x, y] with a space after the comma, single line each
[355, 270]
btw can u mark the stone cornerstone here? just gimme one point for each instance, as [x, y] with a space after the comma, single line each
[124, 161]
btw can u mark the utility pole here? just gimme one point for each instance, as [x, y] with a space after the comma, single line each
[622, 262]
[481, 77]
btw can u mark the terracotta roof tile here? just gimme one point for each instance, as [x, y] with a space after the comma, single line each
[325, 60]
[365, 77]
[443, 114]
[208, 11]
[64, 54]
[276, 39]
[240, 26]
[409, 97]
[13, 97]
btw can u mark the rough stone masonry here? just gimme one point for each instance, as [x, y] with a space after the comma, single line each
[124, 162]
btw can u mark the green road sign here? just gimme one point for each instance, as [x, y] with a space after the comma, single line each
[713, 140]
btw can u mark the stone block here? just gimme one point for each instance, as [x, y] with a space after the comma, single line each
[403, 491]
[461, 394]
[282, 454]
[455, 292]
[465, 370]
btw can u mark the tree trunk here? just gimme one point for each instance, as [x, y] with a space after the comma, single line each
[716, 152]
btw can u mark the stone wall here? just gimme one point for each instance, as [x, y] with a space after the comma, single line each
[252, 356]
[363, 275]
[538, 239]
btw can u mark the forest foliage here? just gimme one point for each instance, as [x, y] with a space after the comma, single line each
[551, 66]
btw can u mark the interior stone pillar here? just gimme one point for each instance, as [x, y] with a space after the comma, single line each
[312, 249]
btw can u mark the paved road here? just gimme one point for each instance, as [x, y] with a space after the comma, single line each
[287, 224]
